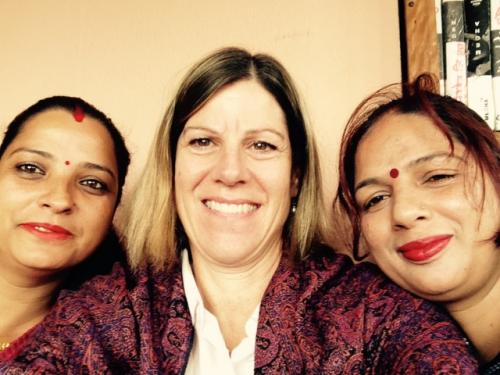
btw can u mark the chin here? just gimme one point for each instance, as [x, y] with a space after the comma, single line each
[434, 291]
[42, 262]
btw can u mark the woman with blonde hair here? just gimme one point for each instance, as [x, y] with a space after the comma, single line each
[230, 276]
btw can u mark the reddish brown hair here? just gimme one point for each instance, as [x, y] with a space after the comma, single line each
[455, 120]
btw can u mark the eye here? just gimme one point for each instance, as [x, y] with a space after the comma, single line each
[440, 177]
[263, 146]
[95, 185]
[30, 169]
[200, 142]
[374, 201]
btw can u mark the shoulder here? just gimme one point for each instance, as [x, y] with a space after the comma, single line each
[346, 288]
[110, 325]
[363, 283]
[100, 290]
[105, 298]
[397, 329]
[72, 336]
[325, 276]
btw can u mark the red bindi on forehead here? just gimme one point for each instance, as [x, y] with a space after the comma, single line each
[394, 173]
[67, 162]
[78, 114]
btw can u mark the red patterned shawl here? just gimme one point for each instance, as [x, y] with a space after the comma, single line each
[326, 316]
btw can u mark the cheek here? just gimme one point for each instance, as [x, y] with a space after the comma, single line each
[183, 191]
[489, 224]
[455, 203]
[458, 211]
[189, 172]
[99, 221]
[373, 231]
[275, 176]
[14, 191]
[182, 184]
[281, 184]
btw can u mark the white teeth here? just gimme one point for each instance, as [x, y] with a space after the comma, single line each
[228, 208]
[42, 229]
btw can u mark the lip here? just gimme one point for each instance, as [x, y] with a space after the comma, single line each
[425, 248]
[47, 231]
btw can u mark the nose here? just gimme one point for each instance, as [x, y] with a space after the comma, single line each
[58, 197]
[231, 168]
[408, 209]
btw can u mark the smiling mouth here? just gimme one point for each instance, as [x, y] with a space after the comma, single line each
[424, 249]
[47, 231]
[230, 208]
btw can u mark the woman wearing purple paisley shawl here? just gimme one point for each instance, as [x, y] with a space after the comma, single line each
[228, 274]
[62, 167]
[433, 227]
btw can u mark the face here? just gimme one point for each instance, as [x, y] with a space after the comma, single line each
[233, 176]
[58, 188]
[421, 210]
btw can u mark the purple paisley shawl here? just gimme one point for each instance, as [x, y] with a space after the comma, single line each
[325, 316]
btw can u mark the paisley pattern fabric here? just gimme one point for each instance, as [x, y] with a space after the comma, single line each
[324, 316]
[17, 345]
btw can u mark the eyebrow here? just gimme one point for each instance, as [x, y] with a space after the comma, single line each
[423, 159]
[47, 155]
[430, 157]
[38, 152]
[279, 134]
[251, 132]
[99, 167]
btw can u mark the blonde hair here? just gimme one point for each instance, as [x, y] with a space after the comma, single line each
[152, 231]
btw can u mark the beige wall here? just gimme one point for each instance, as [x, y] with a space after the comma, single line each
[126, 56]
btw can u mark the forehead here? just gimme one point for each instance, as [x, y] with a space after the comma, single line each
[56, 131]
[62, 121]
[245, 102]
[396, 136]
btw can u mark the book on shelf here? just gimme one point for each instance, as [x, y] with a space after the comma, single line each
[495, 57]
[479, 79]
[454, 49]
[439, 32]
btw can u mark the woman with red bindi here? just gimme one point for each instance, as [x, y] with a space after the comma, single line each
[62, 167]
[420, 182]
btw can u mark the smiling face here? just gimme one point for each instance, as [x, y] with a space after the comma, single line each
[424, 224]
[58, 188]
[233, 176]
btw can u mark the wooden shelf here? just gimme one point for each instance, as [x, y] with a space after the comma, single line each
[421, 42]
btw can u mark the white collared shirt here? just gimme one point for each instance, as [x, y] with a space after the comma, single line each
[209, 353]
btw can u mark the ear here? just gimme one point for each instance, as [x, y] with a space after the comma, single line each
[294, 184]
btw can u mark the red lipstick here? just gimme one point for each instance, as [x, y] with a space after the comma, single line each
[47, 231]
[425, 248]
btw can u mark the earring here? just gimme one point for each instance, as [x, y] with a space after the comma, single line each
[294, 205]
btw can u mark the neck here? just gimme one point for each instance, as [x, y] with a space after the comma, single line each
[232, 294]
[478, 317]
[24, 303]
